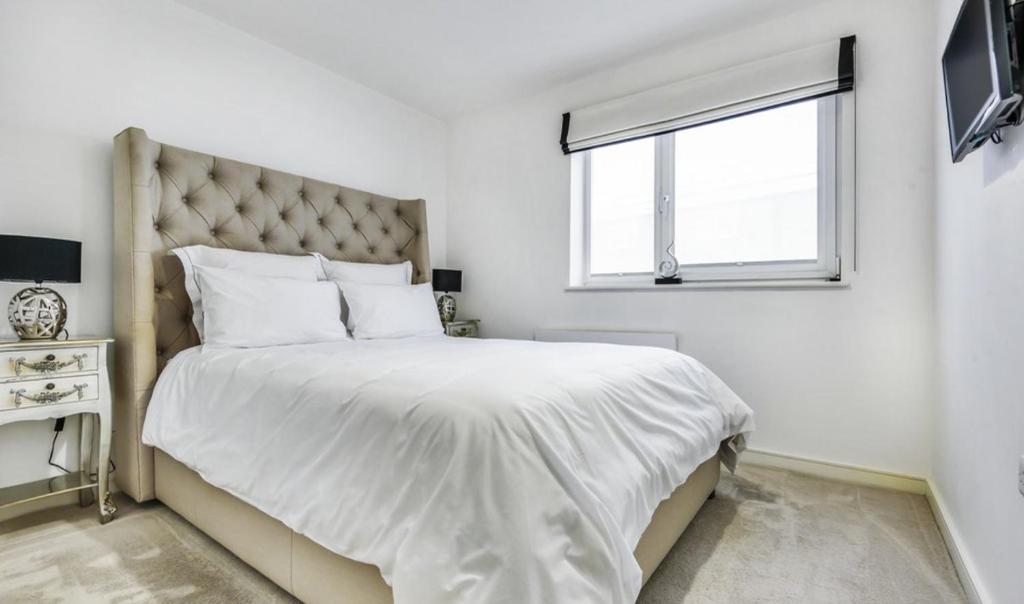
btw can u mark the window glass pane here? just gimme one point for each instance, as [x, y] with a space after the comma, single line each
[622, 208]
[746, 189]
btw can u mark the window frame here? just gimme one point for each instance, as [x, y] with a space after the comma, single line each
[836, 217]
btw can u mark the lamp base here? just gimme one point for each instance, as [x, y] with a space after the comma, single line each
[37, 313]
[446, 308]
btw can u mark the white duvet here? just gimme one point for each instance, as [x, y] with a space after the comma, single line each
[469, 471]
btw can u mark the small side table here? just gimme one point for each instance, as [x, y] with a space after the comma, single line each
[463, 328]
[49, 379]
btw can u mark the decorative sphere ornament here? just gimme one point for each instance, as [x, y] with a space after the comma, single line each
[446, 308]
[37, 313]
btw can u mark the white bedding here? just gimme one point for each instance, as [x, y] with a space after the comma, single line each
[469, 471]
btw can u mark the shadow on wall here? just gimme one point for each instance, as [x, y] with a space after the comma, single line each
[1004, 158]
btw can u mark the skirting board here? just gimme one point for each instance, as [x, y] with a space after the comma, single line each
[836, 471]
[965, 569]
[629, 338]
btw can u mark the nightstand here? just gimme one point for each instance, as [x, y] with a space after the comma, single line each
[49, 379]
[463, 328]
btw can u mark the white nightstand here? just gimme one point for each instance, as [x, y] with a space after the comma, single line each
[48, 379]
[463, 328]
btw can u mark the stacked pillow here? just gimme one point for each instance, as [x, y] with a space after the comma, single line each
[365, 272]
[381, 300]
[299, 268]
[248, 310]
[251, 299]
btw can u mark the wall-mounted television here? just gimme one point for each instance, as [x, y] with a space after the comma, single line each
[980, 71]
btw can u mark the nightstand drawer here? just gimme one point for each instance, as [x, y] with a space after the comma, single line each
[49, 391]
[462, 329]
[48, 361]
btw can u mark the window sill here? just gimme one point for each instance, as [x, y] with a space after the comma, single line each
[807, 284]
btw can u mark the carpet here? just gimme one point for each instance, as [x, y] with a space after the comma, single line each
[778, 536]
[147, 554]
[769, 536]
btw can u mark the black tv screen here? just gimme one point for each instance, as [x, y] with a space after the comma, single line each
[981, 93]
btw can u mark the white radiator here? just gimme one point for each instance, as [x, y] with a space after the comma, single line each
[630, 338]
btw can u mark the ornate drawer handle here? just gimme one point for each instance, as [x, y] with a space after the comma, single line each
[49, 364]
[48, 396]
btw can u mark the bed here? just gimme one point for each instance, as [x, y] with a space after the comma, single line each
[167, 197]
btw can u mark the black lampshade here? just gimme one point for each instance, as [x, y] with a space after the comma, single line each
[40, 259]
[447, 280]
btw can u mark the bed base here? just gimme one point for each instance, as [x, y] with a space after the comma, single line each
[314, 574]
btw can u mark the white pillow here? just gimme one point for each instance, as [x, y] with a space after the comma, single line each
[366, 272]
[305, 268]
[391, 311]
[248, 311]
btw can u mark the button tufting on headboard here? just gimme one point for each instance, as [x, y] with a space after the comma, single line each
[167, 197]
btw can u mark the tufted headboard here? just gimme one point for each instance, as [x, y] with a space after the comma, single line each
[166, 197]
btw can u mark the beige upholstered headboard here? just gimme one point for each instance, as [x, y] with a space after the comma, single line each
[166, 197]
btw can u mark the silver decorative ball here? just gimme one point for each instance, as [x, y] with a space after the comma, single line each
[37, 313]
[446, 308]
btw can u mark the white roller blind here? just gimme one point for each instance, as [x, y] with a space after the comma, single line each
[802, 74]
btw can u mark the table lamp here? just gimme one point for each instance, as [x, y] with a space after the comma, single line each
[446, 280]
[39, 313]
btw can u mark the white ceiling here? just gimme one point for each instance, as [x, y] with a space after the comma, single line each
[451, 57]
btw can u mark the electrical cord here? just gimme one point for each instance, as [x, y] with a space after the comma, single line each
[95, 475]
[53, 446]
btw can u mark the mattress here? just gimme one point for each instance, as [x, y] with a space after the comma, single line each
[466, 470]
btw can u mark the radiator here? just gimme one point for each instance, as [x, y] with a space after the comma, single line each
[630, 338]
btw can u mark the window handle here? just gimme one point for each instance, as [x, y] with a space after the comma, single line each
[663, 204]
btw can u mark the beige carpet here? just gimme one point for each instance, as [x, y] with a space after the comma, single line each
[769, 536]
[777, 536]
[147, 554]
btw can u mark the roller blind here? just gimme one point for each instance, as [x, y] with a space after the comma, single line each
[795, 76]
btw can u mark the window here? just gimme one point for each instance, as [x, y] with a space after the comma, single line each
[621, 190]
[753, 197]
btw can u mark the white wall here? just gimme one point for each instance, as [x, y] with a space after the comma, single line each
[839, 375]
[73, 74]
[979, 417]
